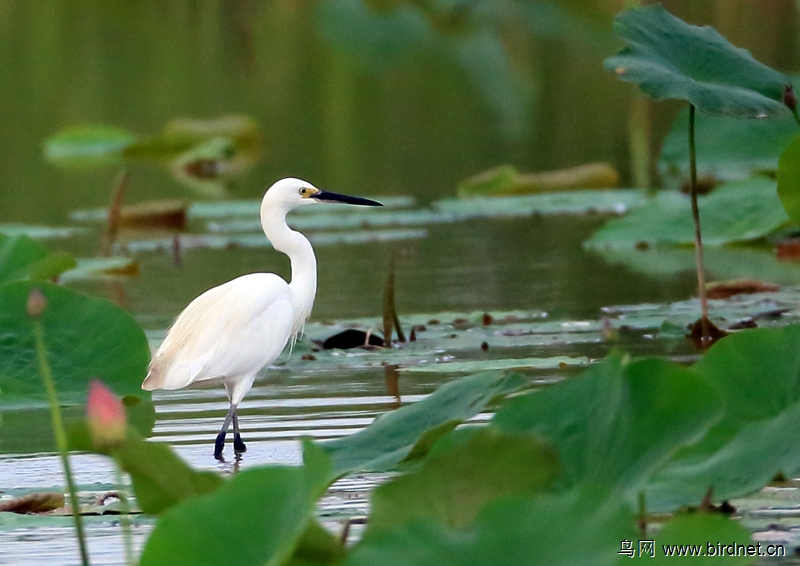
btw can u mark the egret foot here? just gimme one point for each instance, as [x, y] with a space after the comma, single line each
[219, 444]
[238, 444]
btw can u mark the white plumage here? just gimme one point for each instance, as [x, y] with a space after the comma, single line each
[230, 332]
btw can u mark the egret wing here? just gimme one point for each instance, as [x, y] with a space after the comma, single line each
[231, 330]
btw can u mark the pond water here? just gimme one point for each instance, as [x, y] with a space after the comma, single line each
[358, 100]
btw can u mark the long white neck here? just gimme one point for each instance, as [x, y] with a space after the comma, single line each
[304, 264]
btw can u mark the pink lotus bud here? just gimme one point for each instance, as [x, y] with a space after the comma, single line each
[36, 303]
[105, 416]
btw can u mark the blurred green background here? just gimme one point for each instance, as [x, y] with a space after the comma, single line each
[368, 97]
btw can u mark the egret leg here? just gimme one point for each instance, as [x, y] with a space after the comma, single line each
[219, 444]
[238, 445]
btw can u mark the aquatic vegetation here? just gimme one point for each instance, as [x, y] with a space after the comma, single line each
[735, 212]
[22, 258]
[731, 149]
[668, 58]
[505, 180]
[201, 154]
[566, 472]
[580, 452]
[87, 338]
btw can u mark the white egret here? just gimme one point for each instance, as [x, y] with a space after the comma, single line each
[230, 332]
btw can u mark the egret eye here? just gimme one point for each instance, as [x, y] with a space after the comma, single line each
[305, 192]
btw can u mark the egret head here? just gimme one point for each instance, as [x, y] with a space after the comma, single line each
[290, 193]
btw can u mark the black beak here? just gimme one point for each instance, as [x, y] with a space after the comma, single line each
[325, 196]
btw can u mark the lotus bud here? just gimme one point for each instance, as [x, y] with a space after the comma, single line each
[105, 416]
[790, 98]
[36, 303]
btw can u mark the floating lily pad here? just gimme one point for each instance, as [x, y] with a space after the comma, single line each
[669, 58]
[505, 180]
[457, 210]
[40, 232]
[767, 309]
[462, 342]
[612, 201]
[735, 212]
[102, 267]
[485, 365]
[340, 220]
[248, 209]
[218, 241]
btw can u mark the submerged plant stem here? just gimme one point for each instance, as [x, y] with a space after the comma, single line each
[60, 435]
[698, 240]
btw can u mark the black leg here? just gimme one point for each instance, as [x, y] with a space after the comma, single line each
[219, 444]
[238, 444]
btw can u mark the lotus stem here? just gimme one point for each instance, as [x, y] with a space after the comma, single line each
[698, 240]
[60, 435]
[639, 134]
[642, 504]
[124, 517]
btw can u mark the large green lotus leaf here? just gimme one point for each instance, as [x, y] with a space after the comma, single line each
[184, 134]
[86, 338]
[393, 436]
[255, 518]
[577, 527]
[709, 538]
[757, 376]
[728, 149]
[22, 257]
[454, 485]
[101, 268]
[617, 422]
[160, 478]
[722, 263]
[669, 58]
[87, 142]
[756, 372]
[735, 212]
[317, 547]
[789, 180]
